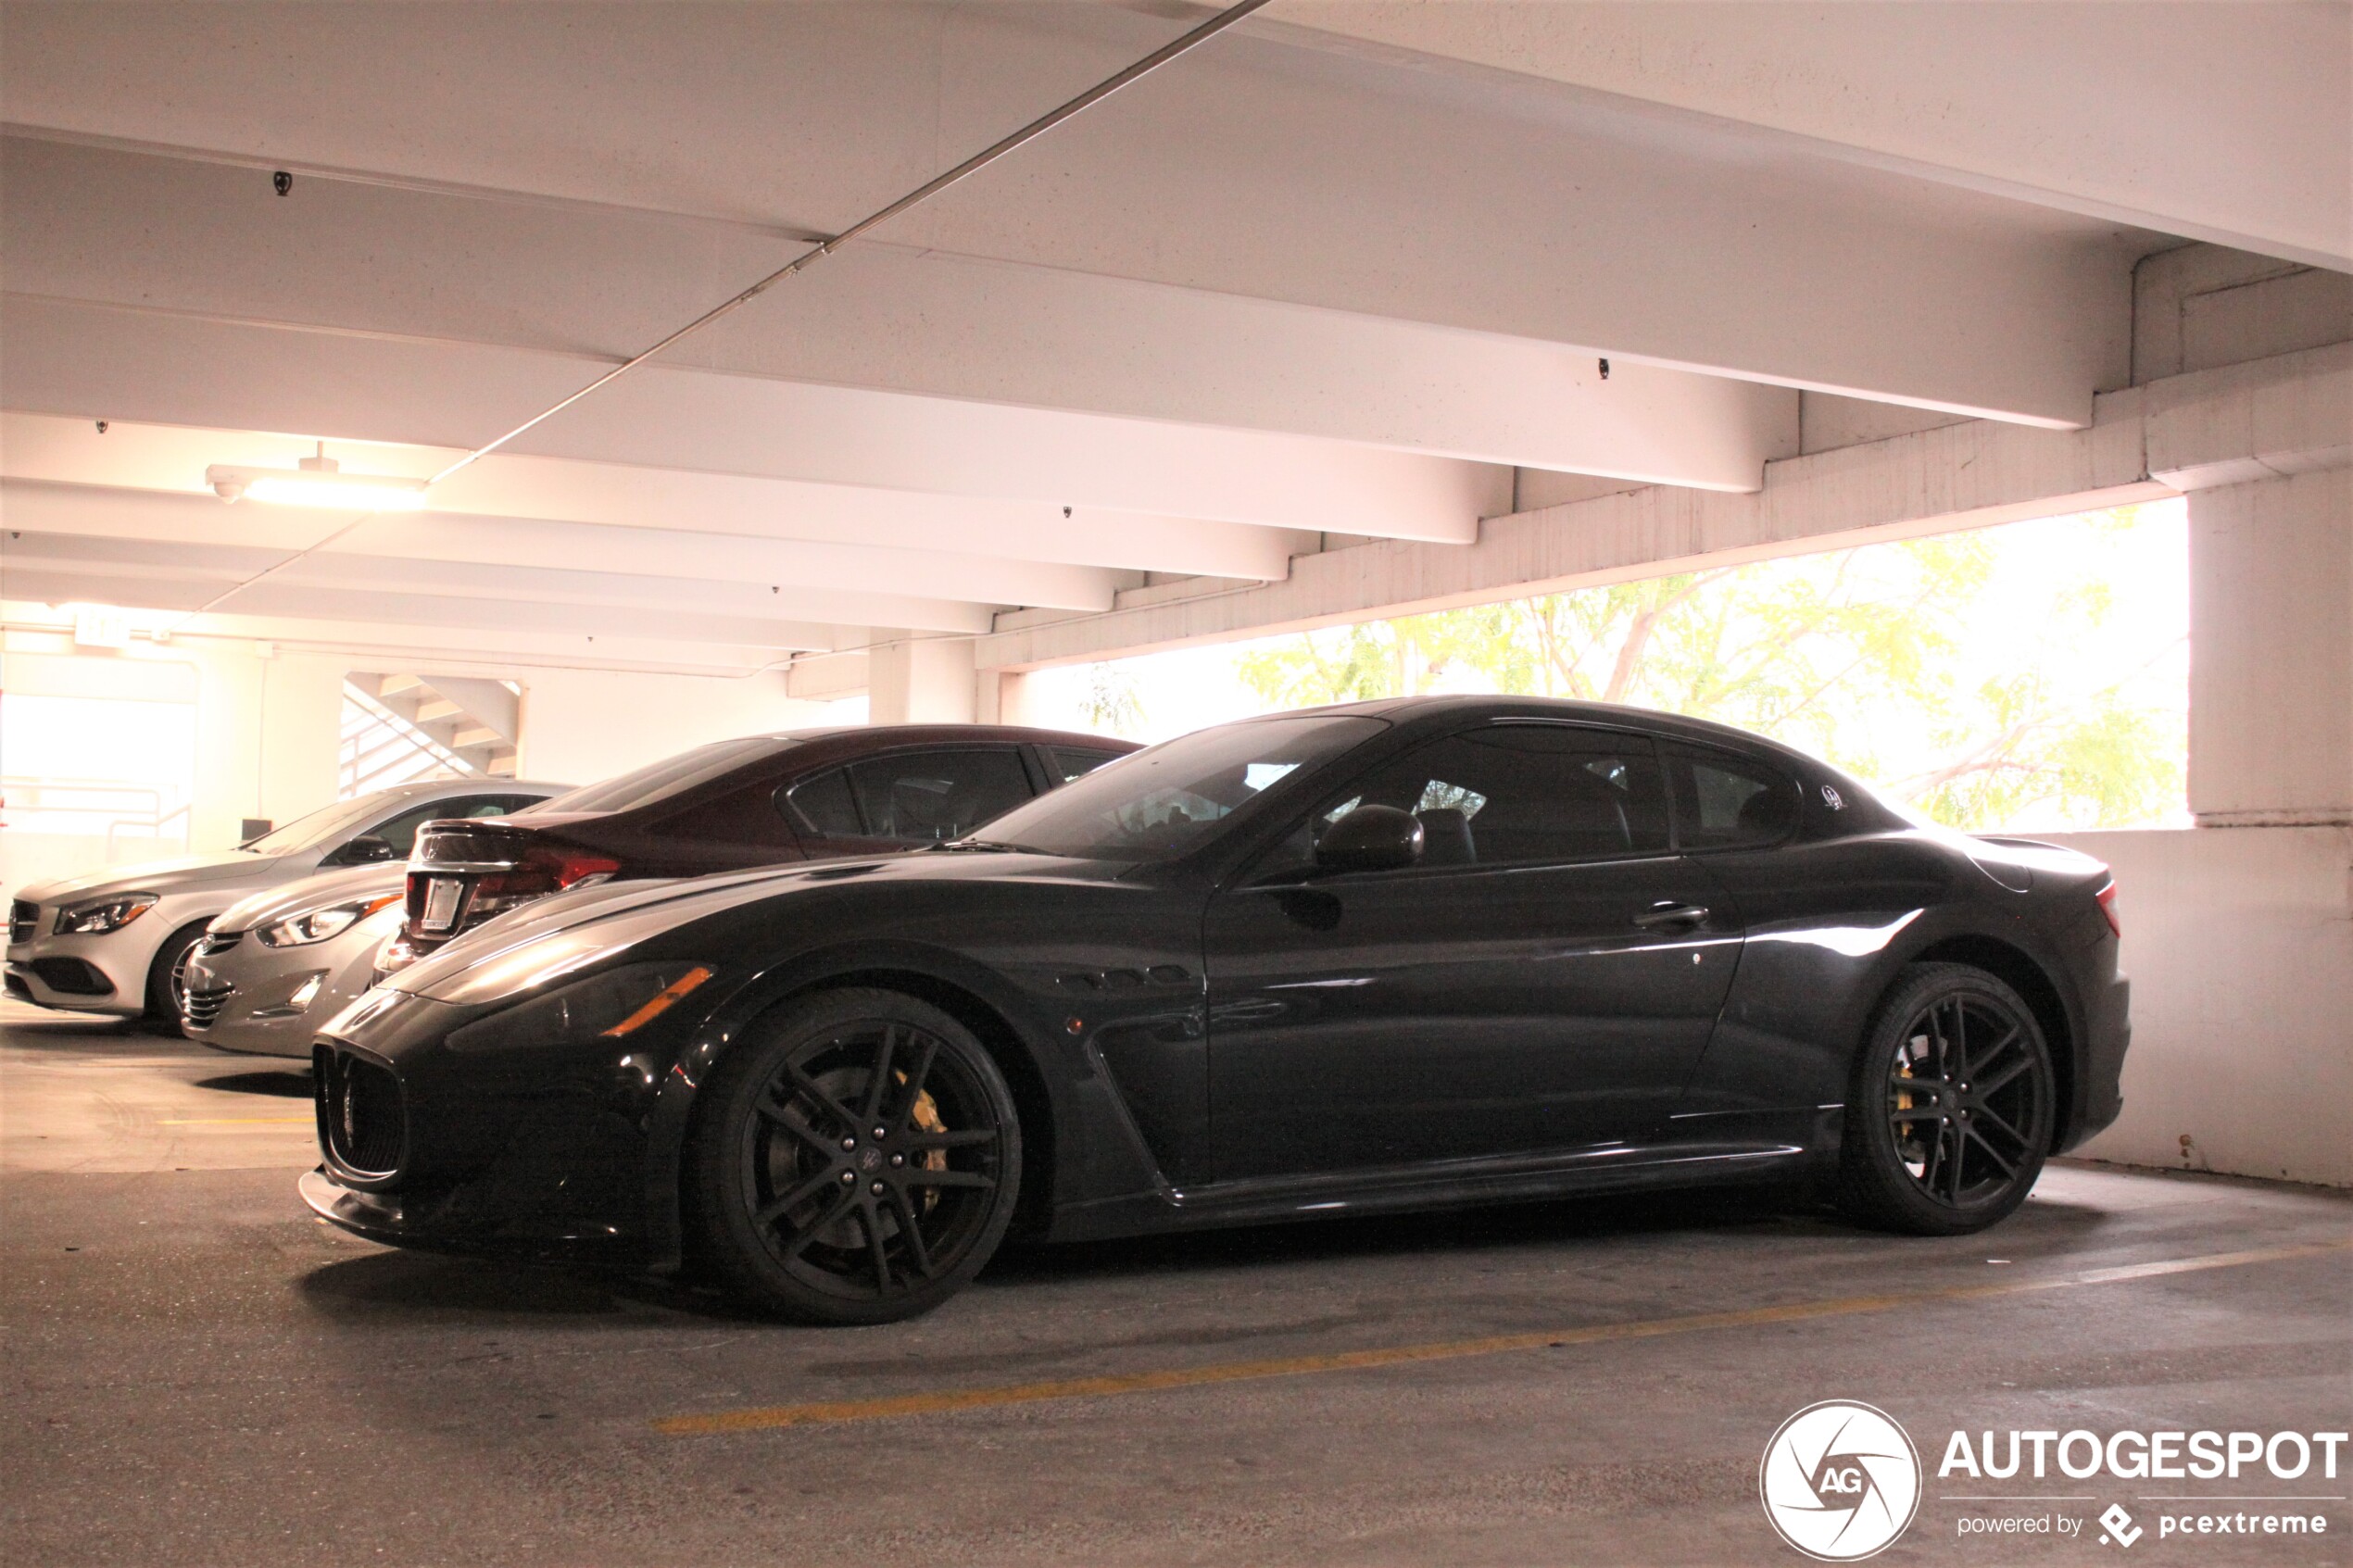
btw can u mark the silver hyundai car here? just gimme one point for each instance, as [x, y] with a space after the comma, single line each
[117, 941]
[276, 964]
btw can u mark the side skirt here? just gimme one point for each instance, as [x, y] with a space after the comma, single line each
[1457, 1184]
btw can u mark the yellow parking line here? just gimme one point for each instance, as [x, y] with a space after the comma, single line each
[764, 1417]
[237, 1121]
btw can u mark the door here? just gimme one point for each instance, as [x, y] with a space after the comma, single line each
[1543, 981]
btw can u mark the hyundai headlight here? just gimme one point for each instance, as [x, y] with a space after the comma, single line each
[99, 916]
[611, 1005]
[317, 925]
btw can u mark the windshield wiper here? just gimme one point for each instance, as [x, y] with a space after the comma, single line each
[963, 845]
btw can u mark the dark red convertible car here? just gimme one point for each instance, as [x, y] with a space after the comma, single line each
[756, 801]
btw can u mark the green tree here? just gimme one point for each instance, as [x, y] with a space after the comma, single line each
[1851, 654]
[1112, 701]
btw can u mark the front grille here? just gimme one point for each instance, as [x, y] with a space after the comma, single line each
[219, 942]
[201, 1010]
[73, 977]
[360, 1112]
[24, 915]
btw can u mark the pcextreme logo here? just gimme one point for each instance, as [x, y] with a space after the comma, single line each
[1841, 1481]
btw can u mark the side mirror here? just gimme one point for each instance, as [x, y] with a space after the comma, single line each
[1370, 838]
[365, 850]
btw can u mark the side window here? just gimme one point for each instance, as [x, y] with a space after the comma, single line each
[401, 830]
[823, 806]
[928, 797]
[1064, 763]
[1513, 794]
[1728, 802]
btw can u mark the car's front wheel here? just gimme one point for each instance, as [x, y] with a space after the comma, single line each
[168, 978]
[1952, 1108]
[855, 1161]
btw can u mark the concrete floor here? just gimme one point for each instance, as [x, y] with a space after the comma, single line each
[197, 1372]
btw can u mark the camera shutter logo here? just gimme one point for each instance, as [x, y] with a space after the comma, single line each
[1841, 1481]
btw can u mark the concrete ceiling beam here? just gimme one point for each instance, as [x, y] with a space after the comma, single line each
[223, 565]
[106, 226]
[2224, 123]
[932, 585]
[1267, 166]
[71, 359]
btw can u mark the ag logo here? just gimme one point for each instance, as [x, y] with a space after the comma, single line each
[1840, 1481]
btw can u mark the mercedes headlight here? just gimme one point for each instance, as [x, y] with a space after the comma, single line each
[317, 925]
[101, 915]
[611, 1005]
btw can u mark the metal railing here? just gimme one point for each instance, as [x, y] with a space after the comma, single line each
[100, 808]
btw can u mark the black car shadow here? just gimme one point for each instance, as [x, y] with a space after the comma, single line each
[394, 1284]
[284, 1083]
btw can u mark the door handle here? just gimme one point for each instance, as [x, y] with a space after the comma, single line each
[1665, 914]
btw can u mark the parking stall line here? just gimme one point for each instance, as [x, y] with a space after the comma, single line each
[942, 1401]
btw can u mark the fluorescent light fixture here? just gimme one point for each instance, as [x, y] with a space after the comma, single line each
[318, 482]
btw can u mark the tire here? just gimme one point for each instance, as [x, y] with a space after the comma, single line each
[1962, 1151]
[165, 975]
[801, 1211]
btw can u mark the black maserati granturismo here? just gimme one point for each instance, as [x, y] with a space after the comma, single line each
[1399, 955]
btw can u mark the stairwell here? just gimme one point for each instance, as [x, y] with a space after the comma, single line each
[399, 728]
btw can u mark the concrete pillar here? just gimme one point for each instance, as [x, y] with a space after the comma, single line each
[2238, 935]
[2271, 652]
[920, 681]
[1003, 698]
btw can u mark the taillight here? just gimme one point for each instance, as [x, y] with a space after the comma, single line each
[544, 869]
[2106, 898]
[540, 869]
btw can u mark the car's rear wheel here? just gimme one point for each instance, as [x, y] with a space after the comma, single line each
[856, 1161]
[167, 977]
[1952, 1108]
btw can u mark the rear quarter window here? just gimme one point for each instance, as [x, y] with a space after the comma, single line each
[1723, 801]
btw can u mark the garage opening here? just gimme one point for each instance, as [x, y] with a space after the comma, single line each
[2033, 676]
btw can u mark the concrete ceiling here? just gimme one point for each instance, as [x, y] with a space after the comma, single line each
[1340, 271]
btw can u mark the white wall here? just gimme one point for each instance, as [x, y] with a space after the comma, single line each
[2239, 944]
[581, 725]
[266, 733]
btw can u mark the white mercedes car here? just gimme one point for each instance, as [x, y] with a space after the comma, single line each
[117, 941]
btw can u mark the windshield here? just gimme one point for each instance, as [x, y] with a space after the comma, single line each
[1158, 804]
[329, 825]
[671, 776]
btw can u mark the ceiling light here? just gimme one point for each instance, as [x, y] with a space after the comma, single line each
[318, 482]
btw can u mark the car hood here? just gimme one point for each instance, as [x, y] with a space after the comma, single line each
[612, 915]
[289, 900]
[155, 876]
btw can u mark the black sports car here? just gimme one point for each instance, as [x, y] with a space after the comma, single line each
[1397, 954]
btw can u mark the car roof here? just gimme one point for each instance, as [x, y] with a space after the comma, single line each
[1435, 708]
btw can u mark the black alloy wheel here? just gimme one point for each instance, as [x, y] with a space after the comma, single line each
[167, 977]
[1953, 1105]
[857, 1161]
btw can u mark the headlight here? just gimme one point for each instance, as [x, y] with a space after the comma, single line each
[101, 915]
[612, 1006]
[319, 924]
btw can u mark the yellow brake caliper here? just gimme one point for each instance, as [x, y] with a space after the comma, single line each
[927, 1116]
